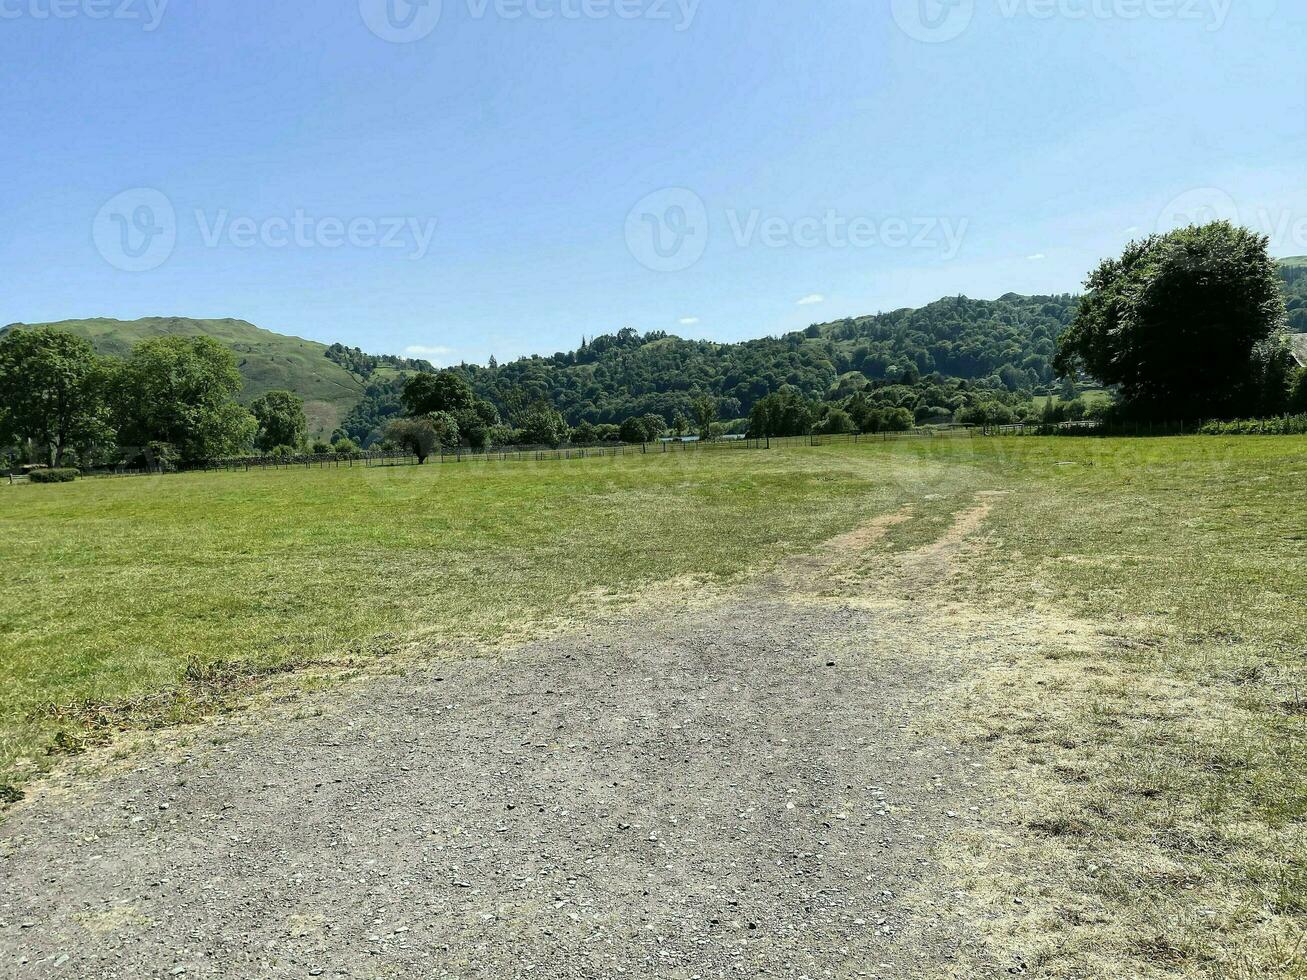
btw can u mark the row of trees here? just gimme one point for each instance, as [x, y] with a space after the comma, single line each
[1189, 325]
[441, 410]
[174, 398]
[174, 401]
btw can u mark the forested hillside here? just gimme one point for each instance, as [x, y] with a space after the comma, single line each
[933, 362]
[1004, 345]
[1294, 274]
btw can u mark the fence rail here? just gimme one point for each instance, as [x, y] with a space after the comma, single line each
[1186, 427]
[367, 460]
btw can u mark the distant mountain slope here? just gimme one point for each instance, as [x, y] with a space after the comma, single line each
[1294, 273]
[1008, 342]
[266, 360]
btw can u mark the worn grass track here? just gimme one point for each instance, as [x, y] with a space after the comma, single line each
[1148, 758]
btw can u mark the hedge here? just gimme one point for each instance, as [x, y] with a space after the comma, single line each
[53, 476]
[1287, 425]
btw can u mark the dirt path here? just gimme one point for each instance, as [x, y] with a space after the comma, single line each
[745, 787]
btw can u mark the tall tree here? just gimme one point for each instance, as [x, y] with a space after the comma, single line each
[705, 414]
[418, 436]
[182, 391]
[281, 418]
[543, 426]
[784, 413]
[51, 392]
[1180, 323]
[447, 391]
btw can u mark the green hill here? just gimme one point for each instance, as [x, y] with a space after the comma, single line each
[1294, 273]
[267, 360]
[1007, 344]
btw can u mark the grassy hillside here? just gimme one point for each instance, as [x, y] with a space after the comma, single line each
[267, 360]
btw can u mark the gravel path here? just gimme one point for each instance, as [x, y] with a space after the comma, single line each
[737, 789]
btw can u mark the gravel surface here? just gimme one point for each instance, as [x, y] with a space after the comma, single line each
[742, 788]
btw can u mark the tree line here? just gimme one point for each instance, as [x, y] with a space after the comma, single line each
[1188, 325]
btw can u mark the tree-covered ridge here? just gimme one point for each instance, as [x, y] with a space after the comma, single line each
[1006, 344]
[1294, 274]
[354, 360]
[931, 362]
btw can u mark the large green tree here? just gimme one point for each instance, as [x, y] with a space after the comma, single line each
[449, 393]
[543, 426]
[417, 436]
[1183, 324]
[182, 391]
[281, 419]
[52, 393]
[784, 413]
[443, 392]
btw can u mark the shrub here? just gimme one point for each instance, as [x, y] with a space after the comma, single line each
[346, 447]
[543, 426]
[417, 436]
[1287, 425]
[321, 448]
[64, 475]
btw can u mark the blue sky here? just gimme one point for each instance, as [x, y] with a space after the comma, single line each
[539, 170]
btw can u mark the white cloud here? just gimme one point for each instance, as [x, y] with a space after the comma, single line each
[1037, 257]
[689, 321]
[812, 300]
[417, 350]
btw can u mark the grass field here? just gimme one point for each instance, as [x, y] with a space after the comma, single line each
[1090, 396]
[1159, 765]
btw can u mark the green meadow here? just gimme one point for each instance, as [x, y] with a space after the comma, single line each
[1170, 751]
